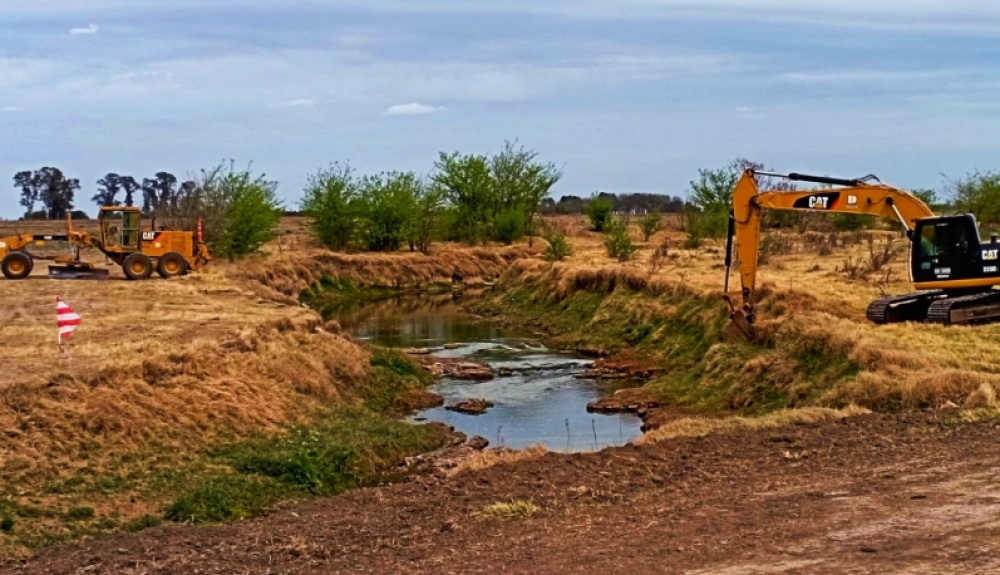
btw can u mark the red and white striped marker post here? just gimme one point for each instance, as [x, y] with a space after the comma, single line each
[67, 320]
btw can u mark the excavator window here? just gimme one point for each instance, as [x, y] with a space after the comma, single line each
[946, 249]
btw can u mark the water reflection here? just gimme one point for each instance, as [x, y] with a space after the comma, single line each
[538, 399]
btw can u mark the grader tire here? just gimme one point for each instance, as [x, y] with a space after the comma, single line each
[172, 264]
[17, 266]
[137, 267]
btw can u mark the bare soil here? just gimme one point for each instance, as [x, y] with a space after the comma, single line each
[912, 493]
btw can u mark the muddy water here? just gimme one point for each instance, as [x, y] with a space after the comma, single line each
[537, 401]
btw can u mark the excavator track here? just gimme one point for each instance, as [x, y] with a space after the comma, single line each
[969, 309]
[909, 307]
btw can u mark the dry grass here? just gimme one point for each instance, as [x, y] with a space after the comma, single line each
[282, 276]
[501, 456]
[701, 426]
[901, 366]
[514, 510]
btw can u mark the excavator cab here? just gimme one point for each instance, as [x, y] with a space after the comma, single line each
[948, 248]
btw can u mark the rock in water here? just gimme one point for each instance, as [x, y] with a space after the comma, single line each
[471, 406]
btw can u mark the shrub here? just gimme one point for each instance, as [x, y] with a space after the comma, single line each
[618, 243]
[881, 255]
[650, 223]
[558, 248]
[225, 499]
[80, 513]
[144, 522]
[978, 193]
[851, 222]
[388, 202]
[331, 200]
[694, 240]
[7, 524]
[600, 210]
[253, 212]
[485, 189]
[429, 219]
[468, 186]
[659, 257]
[509, 226]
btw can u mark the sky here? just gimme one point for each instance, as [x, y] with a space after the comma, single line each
[623, 96]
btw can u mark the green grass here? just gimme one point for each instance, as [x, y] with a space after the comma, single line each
[682, 333]
[226, 498]
[339, 448]
[348, 448]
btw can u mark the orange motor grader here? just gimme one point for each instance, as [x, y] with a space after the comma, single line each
[121, 239]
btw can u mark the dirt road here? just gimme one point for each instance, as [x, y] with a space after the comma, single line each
[904, 494]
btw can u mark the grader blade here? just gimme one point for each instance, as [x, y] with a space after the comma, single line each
[81, 272]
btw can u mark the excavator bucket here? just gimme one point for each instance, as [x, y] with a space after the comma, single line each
[738, 329]
[77, 272]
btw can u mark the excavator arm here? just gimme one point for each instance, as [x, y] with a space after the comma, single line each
[861, 196]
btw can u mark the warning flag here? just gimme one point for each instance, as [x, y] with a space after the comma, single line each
[68, 319]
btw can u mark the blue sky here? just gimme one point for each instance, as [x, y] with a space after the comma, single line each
[625, 96]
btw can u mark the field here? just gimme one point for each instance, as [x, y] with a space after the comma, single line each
[174, 387]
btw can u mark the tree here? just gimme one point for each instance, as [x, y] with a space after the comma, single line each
[978, 193]
[428, 219]
[520, 183]
[468, 186]
[711, 196]
[332, 201]
[107, 190]
[30, 191]
[250, 210]
[130, 187]
[51, 187]
[388, 202]
[160, 191]
[926, 196]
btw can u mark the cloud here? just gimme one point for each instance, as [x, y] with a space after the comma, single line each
[11, 109]
[748, 113]
[299, 103]
[90, 29]
[895, 77]
[412, 110]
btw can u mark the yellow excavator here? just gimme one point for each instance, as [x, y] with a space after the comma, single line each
[952, 269]
[122, 240]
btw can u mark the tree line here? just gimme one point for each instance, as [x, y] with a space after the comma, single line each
[635, 203]
[56, 193]
[467, 197]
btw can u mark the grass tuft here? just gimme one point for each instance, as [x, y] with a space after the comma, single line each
[699, 427]
[514, 510]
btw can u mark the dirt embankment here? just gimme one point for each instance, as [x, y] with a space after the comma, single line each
[809, 353]
[162, 371]
[872, 494]
[283, 278]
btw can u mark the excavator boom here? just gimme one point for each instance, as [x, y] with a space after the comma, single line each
[859, 196]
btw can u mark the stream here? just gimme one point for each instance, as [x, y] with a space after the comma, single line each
[538, 401]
